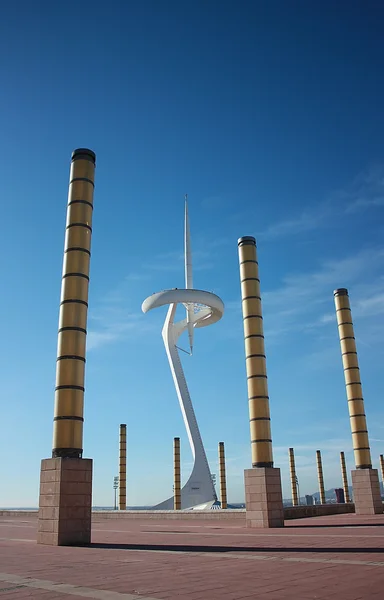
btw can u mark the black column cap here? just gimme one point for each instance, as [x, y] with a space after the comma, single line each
[84, 154]
[341, 292]
[246, 240]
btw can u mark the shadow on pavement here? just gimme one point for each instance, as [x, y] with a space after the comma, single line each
[339, 526]
[222, 549]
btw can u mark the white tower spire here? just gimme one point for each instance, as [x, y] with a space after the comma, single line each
[187, 249]
[188, 273]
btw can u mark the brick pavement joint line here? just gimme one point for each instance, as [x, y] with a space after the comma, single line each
[268, 557]
[66, 588]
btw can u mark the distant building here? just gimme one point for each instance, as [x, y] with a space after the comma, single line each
[339, 493]
[309, 500]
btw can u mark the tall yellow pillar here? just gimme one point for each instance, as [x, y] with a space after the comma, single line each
[223, 481]
[352, 381]
[344, 477]
[59, 523]
[259, 417]
[176, 474]
[123, 468]
[320, 476]
[382, 467]
[365, 480]
[263, 512]
[70, 370]
[292, 470]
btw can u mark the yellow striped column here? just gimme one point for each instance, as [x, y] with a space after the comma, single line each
[292, 470]
[263, 493]
[259, 416]
[223, 480]
[344, 477]
[70, 371]
[352, 381]
[320, 476]
[65, 514]
[382, 467]
[176, 474]
[365, 480]
[123, 467]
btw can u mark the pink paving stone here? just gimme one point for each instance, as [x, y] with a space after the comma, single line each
[215, 573]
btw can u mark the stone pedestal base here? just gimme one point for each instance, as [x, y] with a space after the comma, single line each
[366, 492]
[263, 497]
[65, 502]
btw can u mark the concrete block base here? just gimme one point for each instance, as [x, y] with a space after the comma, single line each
[65, 502]
[366, 492]
[263, 497]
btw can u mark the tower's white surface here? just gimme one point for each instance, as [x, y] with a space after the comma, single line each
[202, 309]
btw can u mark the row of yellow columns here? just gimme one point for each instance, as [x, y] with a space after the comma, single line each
[259, 416]
[293, 477]
[177, 475]
[222, 470]
[69, 391]
[176, 472]
[69, 427]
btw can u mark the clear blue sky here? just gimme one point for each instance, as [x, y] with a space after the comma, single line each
[270, 116]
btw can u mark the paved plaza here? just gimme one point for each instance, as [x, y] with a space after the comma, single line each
[339, 557]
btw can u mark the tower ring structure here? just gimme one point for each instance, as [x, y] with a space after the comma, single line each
[203, 309]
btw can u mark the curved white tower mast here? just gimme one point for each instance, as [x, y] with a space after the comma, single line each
[188, 273]
[202, 309]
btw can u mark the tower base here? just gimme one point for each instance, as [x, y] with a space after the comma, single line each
[65, 502]
[263, 497]
[366, 492]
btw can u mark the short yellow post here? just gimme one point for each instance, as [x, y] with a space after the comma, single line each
[344, 477]
[176, 474]
[320, 476]
[123, 468]
[292, 470]
[223, 481]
